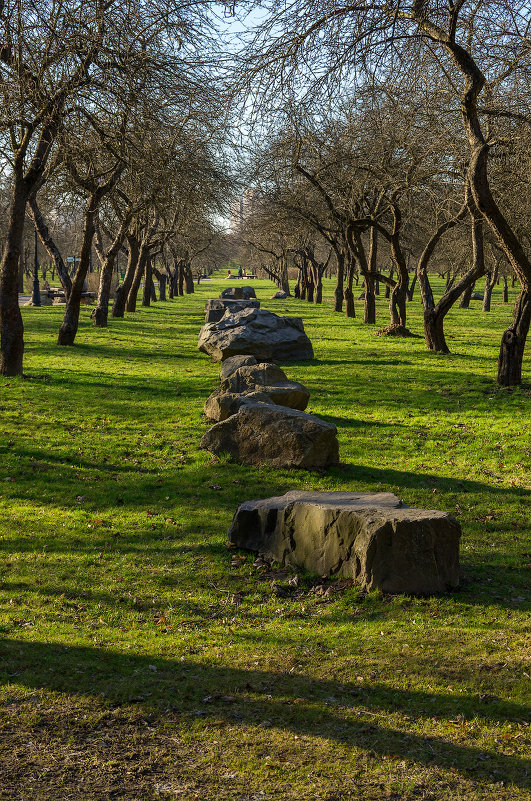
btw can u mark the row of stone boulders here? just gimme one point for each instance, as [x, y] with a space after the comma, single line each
[259, 419]
[258, 413]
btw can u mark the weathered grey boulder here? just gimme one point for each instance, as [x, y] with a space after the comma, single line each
[268, 378]
[221, 405]
[262, 434]
[370, 538]
[231, 364]
[264, 382]
[215, 308]
[232, 292]
[476, 296]
[248, 292]
[258, 333]
[280, 295]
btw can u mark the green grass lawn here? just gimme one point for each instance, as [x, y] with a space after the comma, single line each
[141, 658]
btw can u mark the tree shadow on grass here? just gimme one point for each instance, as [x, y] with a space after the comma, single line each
[346, 713]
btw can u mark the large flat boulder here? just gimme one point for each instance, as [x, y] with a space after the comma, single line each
[373, 539]
[215, 308]
[258, 333]
[262, 434]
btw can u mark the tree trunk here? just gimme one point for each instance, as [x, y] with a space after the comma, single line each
[411, 289]
[69, 326]
[369, 310]
[11, 326]
[188, 280]
[180, 279]
[513, 342]
[297, 288]
[387, 293]
[162, 286]
[310, 286]
[434, 330]
[466, 296]
[284, 277]
[397, 304]
[490, 282]
[101, 312]
[339, 290]
[434, 315]
[48, 242]
[120, 296]
[350, 309]
[130, 305]
[505, 290]
[148, 280]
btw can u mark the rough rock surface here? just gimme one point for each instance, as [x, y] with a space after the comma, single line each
[370, 538]
[221, 405]
[258, 333]
[280, 295]
[232, 292]
[266, 380]
[262, 434]
[248, 292]
[231, 364]
[216, 307]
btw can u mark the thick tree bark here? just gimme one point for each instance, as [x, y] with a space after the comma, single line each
[397, 304]
[513, 342]
[69, 326]
[120, 296]
[505, 290]
[434, 330]
[11, 326]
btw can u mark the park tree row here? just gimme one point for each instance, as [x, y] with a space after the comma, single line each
[110, 108]
[400, 137]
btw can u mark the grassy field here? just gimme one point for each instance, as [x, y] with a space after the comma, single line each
[141, 658]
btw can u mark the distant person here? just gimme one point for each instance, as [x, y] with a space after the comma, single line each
[240, 272]
[228, 274]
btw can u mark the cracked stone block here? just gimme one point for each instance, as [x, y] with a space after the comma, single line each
[371, 538]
